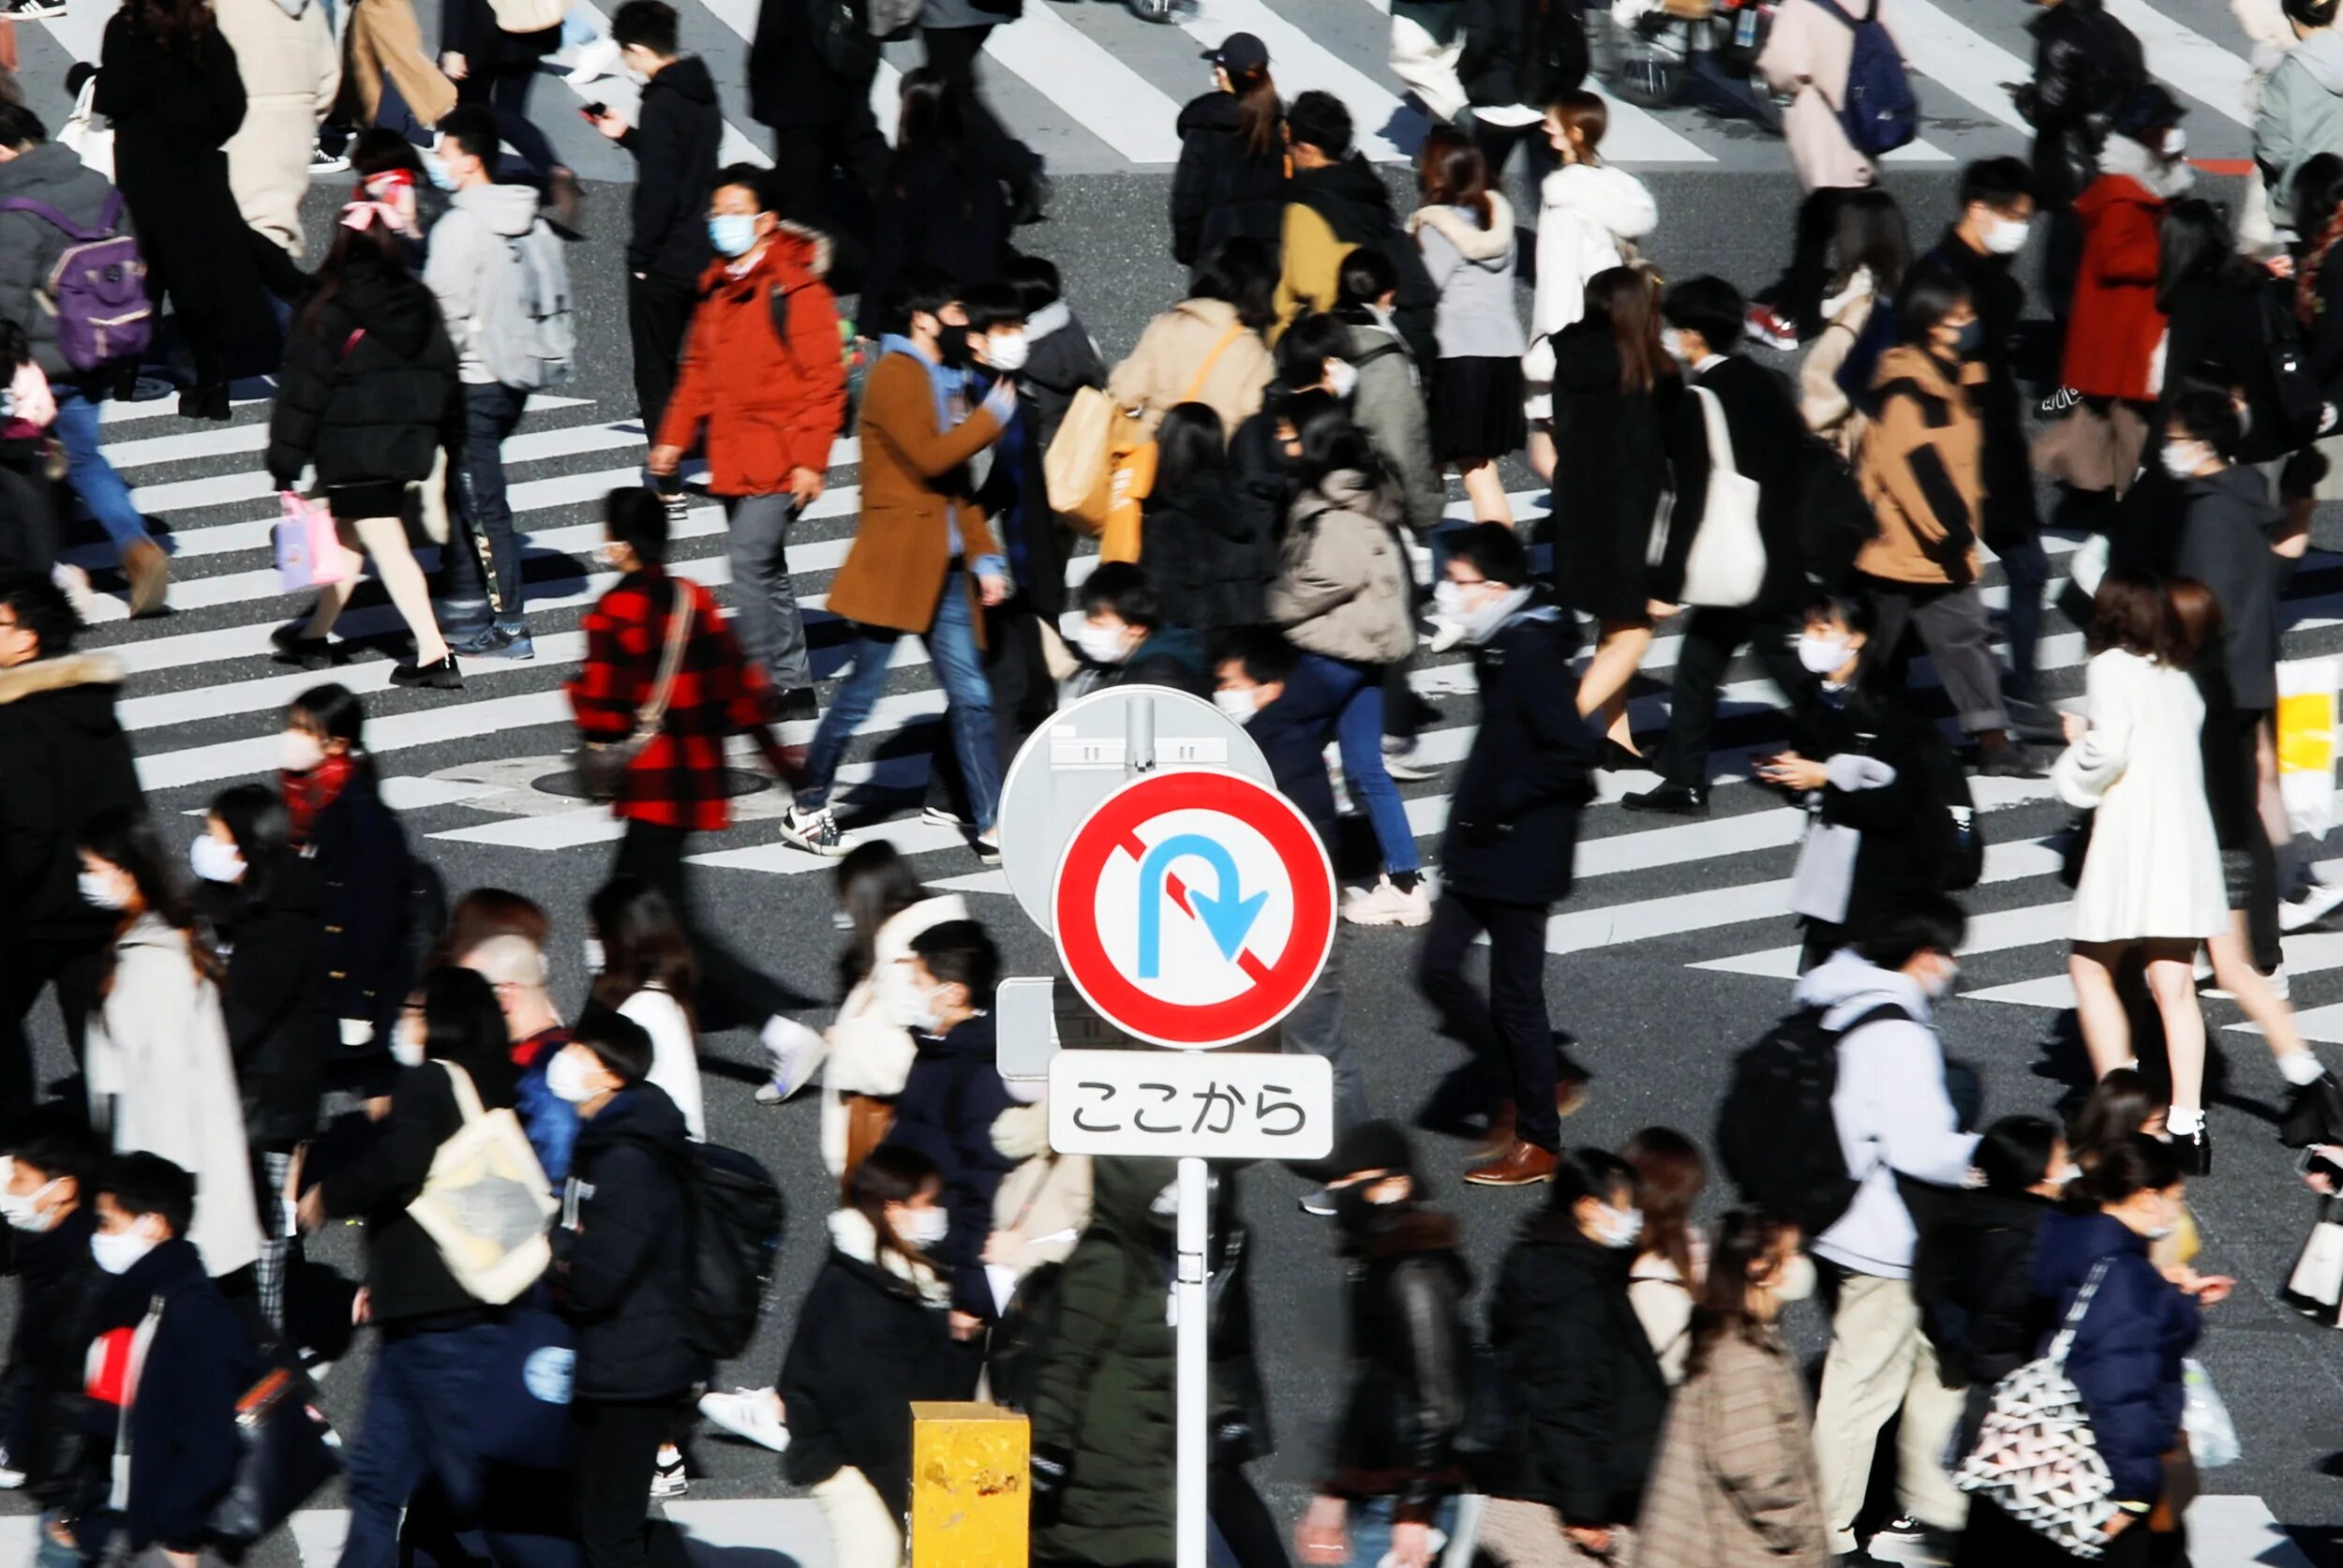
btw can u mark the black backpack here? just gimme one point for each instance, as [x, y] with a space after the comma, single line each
[2301, 406]
[1834, 519]
[1775, 1132]
[736, 1213]
[1557, 59]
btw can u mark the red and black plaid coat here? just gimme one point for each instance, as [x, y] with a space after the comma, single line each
[678, 779]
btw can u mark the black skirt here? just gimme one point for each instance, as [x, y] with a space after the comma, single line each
[1476, 409]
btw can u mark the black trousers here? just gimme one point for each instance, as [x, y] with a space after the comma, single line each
[615, 1447]
[30, 967]
[505, 90]
[803, 157]
[1508, 1029]
[2232, 789]
[1711, 637]
[1796, 294]
[733, 994]
[952, 54]
[658, 314]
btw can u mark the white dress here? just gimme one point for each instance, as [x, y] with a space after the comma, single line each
[2153, 868]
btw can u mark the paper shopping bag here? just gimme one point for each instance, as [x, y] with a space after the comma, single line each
[2305, 722]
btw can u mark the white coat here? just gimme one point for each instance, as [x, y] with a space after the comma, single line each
[292, 71]
[2153, 868]
[1589, 215]
[160, 1077]
[1808, 54]
[870, 1048]
[674, 1058]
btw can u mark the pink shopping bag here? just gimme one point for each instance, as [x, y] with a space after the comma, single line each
[308, 554]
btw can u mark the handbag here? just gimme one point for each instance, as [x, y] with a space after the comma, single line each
[2035, 1456]
[600, 765]
[1100, 467]
[2074, 848]
[1725, 565]
[308, 548]
[288, 1453]
[2314, 1288]
[527, 1379]
[83, 136]
[485, 1204]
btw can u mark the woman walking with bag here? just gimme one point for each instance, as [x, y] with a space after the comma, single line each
[368, 394]
[1466, 232]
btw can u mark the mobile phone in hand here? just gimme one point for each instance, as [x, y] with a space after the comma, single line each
[2313, 1163]
[595, 111]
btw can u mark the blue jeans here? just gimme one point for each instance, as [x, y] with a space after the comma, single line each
[951, 642]
[483, 558]
[1370, 1528]
[2028, 570]
[1354, 694]
[48, 1553]
[93, 478]
[419, 1423]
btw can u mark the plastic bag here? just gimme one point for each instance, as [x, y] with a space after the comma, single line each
[2306, 725]
[309, 552]
[2212, 1436]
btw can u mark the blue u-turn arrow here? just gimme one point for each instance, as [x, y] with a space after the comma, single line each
[1227, 917]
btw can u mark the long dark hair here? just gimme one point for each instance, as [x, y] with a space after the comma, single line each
[2194, 246]
[1629, 299]
[874, 884]
[1741, 1238]
[2130, 611]
[642, 943]
[1450, 173]
[462, 1024]
[1871, 233]
[126, 839]
[178, 25]
[1331, 443]
[1259, 116]
[255, 817]
[931, 123]
[1241, 271]
[891, 1173]
[1188, 446]
[2120, 1105]
[371, 252]
[1673, 1175]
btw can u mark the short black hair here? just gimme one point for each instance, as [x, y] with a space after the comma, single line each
[961, 952]
[1121, 587]
[1262, 651]
[918, 290]
[638, 518]
[473, 126]
[2000, 182]
[1919, 923]
[56, 1142]
[748, 176]
[1365, 275]
[2208, 414]
[338, 713]
[2311, 13]
[40, 606]
[1493, 550]
[20, 126]
[623, 1045]
[143, 1183]
[1711, 306]
[993, 304]
[1854, 611]
[1035, 277]
[651, 24]
[1307, 344]
[380, 149]
[1320, 120]
[2014, 1152]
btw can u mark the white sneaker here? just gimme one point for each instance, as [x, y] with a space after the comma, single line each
[594, 61]
[1400, 765]
[1386, 906]
[11, 1479]
[815, 833]
[753, 1413]
[669, 1479]
[796, 1052]
[1446, 634]
[941, 817]
[988, 847]
[2310, 907]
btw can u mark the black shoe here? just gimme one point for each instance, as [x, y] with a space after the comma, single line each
[205, 402]
[441, 676]
[799, 702]
[2195, 1152]
[1670, 801]
[2313, 1113]
[308, 654]
[2012, 761]
[1615, 758]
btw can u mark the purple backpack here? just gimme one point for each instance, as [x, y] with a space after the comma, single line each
[97, 289]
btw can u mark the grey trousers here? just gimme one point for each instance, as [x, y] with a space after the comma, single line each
[1951, 626]
[772, 632]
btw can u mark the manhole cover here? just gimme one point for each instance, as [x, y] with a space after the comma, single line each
[738, 782]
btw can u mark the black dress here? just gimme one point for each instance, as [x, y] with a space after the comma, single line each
[1617, 455]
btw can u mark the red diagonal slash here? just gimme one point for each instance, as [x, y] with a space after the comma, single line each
[1255, 970]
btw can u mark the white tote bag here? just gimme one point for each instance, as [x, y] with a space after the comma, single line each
[2314, 1288]
[485, 1205]
[85, 136]
[1726, 564]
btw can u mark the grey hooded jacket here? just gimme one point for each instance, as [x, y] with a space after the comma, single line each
[2302, 116]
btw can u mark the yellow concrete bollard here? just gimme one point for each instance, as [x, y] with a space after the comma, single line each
[970, 1505]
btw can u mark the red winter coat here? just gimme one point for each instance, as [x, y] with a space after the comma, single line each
[2116, 327]
[768, 407]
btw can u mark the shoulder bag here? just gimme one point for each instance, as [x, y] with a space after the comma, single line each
[485, 1204]
[1726, 565]
[1099, 468]
[2036, 1458]
[600, 765]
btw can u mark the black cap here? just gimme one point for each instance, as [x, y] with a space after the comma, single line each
[2147, 107]
[1238, 54]
[1373, 1146]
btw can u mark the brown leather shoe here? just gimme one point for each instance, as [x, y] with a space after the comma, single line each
[1523, 1165]
[1500, 1135]
[1570, 1095]
[149, 573]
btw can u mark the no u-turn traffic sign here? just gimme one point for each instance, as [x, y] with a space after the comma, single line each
[1194, 909]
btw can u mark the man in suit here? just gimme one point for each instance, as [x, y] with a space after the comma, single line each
[1704, 329]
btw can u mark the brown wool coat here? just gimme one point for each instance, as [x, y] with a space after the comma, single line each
[914, 477]
[1919, 470]
[1734, 1484]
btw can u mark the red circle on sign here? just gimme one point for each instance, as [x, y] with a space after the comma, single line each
[1112, 827]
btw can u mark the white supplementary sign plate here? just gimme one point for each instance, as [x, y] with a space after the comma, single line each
[1232, 1105]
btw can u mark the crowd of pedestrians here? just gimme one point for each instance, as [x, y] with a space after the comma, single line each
[302, 1031]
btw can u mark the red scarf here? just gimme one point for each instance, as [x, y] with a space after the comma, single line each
[308, 794]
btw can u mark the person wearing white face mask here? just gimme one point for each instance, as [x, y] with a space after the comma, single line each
[47, 1202]
[761, 383]
[158, 1071]
[1124, 637]
[1727, 1491]
[1564, 1329]
[622, 1276]
[1895, 1121]
[870, 1337]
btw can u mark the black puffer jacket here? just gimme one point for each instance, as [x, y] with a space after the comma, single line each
[621, 1257]
[59, 1285]
[1212, 559]
[368, 388]
[1221, 189]
[1409, 1351]
[1587, 1381]
[280, 1029]
[1976, 1306]
[2084, 61]
[64, 759]
[360, 853]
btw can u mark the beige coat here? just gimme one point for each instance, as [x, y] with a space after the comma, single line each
[1734, 1484]
[292, 73]
[869, 1053]
[1342, 586]
[1808, 54]
[1162, 370]
[1043, 1205]
[1830, 413]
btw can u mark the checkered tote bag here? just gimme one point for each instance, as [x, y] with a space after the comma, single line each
[2035, 1456]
